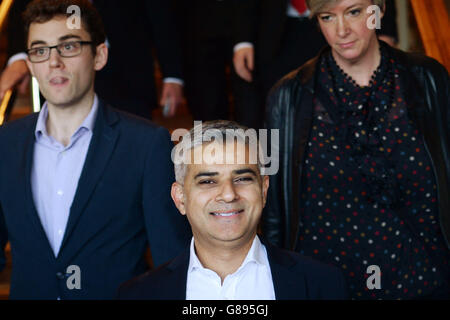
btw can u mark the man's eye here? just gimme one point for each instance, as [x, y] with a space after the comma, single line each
[355, 12]
[38, 51]
[206, 182]
[244, 179]
[68, 46]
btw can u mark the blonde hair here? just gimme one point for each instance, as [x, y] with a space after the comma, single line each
[315, 6]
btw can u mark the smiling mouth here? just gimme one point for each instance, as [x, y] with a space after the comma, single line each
[226, 214]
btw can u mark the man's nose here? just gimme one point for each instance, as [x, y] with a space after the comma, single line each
[227, 192]
[55, 58]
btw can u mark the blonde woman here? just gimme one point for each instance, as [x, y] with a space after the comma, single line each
[364, 160]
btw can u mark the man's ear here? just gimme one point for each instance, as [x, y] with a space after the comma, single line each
[101, 57]
[30, 66]
[177, 194]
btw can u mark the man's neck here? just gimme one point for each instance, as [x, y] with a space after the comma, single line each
[362, 70]
[63, 121]
[224, 259]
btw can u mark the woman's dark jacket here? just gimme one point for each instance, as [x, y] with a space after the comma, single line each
[290, 109]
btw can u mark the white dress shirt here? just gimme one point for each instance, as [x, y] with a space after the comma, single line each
[252, 281]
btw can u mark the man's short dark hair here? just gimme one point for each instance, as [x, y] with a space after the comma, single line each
[41, 11]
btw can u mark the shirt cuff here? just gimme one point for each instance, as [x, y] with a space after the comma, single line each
[241, 45]
[17, 57]
[174, 80]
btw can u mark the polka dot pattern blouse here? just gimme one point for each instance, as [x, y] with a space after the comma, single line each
[369, 195]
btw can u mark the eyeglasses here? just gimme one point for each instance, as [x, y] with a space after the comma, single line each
[65, 49]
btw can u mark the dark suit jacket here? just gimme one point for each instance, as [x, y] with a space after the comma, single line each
[133, 29]
[122, 199]
[295, 277]
[201, 18]
[15, 28]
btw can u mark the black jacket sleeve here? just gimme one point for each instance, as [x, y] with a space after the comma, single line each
[244, 21]
[161, 17]
[275, 213]
[16, 31]
[168, 231]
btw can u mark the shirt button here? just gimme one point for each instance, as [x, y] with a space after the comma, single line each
[60, 192]
[60, 232]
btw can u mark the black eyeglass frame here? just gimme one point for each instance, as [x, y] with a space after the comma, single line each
[58, 50]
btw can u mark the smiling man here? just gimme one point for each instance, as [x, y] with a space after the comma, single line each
[83, 187]
[223, 198]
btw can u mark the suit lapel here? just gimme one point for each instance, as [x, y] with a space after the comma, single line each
[100, 150]
[27, 163]
[176, 284]
[288, 282]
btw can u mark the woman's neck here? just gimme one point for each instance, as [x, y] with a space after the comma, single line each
[361, 70]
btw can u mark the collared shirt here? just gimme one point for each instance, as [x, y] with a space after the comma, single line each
[55, 173]
[252, 281]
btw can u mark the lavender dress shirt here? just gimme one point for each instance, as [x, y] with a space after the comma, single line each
[55, 173]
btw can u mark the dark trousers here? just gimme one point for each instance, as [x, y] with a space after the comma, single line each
[210, 75]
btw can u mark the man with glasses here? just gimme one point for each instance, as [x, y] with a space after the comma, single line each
[83, 187]
[65, 49]
[135, 30]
